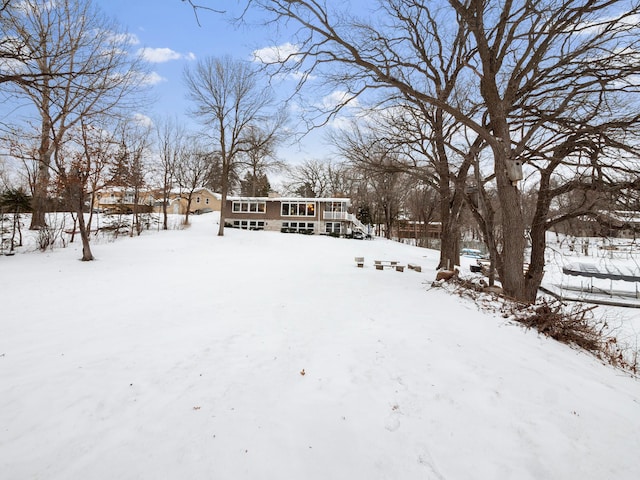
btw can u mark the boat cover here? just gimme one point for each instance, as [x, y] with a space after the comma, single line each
[610, 272]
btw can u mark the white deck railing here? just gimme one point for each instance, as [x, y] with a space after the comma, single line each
[357, 224]
[335, 215]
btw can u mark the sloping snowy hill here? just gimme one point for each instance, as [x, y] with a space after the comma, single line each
[259, 355]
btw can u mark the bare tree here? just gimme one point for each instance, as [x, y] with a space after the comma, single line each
[555, 82]
[16, 201]
[388, 186]
[79, 166]
[319, 178]
[96, 140]
[170, 144]
[192, 168]
[129, 170]
[422, 205]
[230, 101]
[22, 145]
[419, 141]
[214, 175]
[72, 174]
[555, 76]
[196, 7]
[259, 156]
[310, 179]
[77, 64]
[14, 50]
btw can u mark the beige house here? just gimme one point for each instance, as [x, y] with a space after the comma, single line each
[203, 200]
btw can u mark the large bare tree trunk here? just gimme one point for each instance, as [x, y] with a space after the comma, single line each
[450, 234]
[513, 227]
[40, 199]
[74, 189]
[43, 176]
[223, 194]
[84, 235]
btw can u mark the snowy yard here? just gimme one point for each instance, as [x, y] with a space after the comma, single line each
[260, 355]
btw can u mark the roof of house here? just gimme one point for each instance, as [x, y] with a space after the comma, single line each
[180, 191]
[291, 199]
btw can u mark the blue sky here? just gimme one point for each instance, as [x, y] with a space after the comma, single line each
[171, 39]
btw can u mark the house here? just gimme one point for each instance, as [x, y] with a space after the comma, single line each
[417, 229]
[123, 200]
[291, 214]
[203, 200]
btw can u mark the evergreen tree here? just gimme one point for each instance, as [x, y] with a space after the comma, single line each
[255, 185]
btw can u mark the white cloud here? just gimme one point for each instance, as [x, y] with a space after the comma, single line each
[285, 53]
[338, 97]
[142, 119]
[598, 26]
[153, 78]
[279, 53]
[159, 55]
[26, 7]
[10, 66]
[164, 54]
[124, 39]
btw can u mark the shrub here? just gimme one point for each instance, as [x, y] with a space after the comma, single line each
[573, 324]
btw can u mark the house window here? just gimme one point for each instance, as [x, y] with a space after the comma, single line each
[298, 226]
[298, 209]
[311, 209]
[206, 200]
[333, 227]
[197, 199]
[249, 224]
[334, 207]
[248, 206]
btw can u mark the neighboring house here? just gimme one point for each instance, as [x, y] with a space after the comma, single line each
[290, 214]
[121, 200]
[417, 230]
[627, 222]
[203, 200]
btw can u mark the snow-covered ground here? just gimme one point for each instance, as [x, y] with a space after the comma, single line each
[259, 355]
